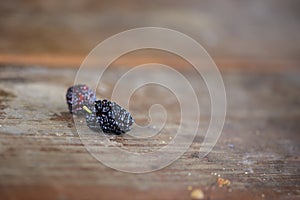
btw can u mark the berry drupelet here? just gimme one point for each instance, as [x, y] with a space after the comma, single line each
[111, 118]
[91, 118]
[78, 96]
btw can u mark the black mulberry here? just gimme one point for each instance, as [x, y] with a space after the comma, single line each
[112, 118]
[78, 96]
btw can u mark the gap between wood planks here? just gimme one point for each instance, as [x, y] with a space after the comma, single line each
[224, 64]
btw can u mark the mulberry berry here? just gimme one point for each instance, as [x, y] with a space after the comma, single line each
[112, 118]
[78, 96]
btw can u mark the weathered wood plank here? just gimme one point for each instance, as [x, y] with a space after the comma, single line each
[41, 155]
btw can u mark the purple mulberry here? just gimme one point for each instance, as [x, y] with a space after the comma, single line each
[78, 96]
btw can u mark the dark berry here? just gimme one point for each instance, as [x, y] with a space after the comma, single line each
[78, 96]
[112, 118]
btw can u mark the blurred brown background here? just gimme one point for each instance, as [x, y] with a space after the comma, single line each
[251, 30]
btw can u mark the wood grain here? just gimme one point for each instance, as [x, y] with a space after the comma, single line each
[42, 156]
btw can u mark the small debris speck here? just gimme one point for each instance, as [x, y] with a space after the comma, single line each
[197, 194]
[58, 134]
[223, 182]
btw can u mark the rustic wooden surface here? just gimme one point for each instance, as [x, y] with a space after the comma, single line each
[255, 44]
[228, 29]
[42, 157]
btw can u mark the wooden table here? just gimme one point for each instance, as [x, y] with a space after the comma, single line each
[42, 157]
